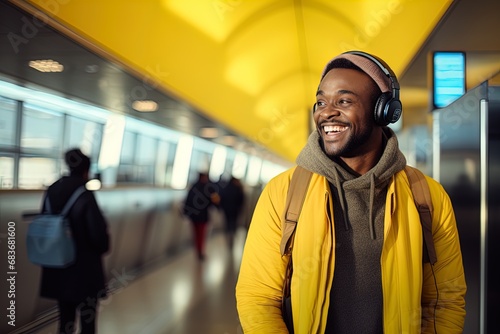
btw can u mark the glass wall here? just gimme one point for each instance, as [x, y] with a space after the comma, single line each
[37, 128]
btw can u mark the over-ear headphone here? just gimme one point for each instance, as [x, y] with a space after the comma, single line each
[388, 107]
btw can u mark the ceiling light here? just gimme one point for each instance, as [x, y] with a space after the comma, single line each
[145, 105]
[229, 140]
[47, 65]
[209, 132]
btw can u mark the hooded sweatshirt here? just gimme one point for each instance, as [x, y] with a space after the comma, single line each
[359, 201]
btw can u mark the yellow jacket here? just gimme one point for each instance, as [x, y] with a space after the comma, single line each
[409, 289]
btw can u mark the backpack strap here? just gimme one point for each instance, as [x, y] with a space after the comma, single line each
[421, 195]
[294, 201]
[48, 209]
[423, 202]
[80, 190]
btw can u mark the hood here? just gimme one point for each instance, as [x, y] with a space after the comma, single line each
[313, 158]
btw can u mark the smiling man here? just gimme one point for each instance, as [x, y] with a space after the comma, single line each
[357, 252]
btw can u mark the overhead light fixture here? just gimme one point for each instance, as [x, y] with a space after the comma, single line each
[229, 140]
[145, 105]
[46, 65]
[209, 132]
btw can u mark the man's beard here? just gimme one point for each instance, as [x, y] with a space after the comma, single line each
[351, 148]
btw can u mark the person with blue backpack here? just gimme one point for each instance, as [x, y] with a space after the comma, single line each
[79, 286]
[359, 261]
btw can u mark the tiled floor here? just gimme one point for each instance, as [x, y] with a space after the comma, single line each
[183, 296]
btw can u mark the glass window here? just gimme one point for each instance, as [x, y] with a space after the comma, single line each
[254, 169]
[126, 169]
[128, 148]
[6, 173]
[146, 150]
[217, 163]
[182, 161]
[110, 150]
[161, 163]
[144, 174]
[41, 129]
[83, 134]
[145, 159]
[200, 162]
[8, 126]
[229, 164]
[37, 173]
[125, 173]
[240, 165]
[170, 163]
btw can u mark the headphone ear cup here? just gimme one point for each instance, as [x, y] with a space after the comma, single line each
[380, 109]
[387, 109]
[394, 111]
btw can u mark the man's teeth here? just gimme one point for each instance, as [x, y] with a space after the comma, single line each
[334, 128]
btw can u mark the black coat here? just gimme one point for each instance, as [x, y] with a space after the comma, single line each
[84, 278]
[231, 200]
[198, 201]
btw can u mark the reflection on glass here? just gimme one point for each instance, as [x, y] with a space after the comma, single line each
[6, 173]
[41, 129]
[128, 148]
[146, 150]
[254, 168]
[217, 163]
[182, 162]
[240, 165]
[7, 122]
[84, 134]
[200, 162]
[109, 155]
[37, 173]
[161, 163]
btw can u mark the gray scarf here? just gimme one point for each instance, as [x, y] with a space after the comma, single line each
[313, 158]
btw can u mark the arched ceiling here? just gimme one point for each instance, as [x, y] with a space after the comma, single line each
[251, 65]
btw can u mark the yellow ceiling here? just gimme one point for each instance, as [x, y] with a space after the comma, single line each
[251, 65]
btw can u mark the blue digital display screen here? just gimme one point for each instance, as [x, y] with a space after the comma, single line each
[448, 77]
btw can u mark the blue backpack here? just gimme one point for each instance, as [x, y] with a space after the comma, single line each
[49, 239]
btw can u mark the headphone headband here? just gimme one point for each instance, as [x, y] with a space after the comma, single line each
[388, 108]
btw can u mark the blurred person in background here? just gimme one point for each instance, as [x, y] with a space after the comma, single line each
[78, 287]
[232, 198]
[200, 197]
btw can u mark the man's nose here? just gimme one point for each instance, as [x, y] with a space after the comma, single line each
[329, 110]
